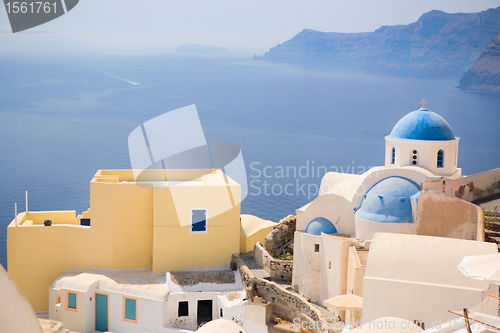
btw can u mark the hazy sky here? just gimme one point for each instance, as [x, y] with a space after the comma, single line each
[239, 25]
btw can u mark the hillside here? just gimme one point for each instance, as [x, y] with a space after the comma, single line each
[485, 74]
[437, 41]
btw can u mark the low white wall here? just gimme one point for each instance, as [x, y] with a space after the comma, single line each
[365, 229]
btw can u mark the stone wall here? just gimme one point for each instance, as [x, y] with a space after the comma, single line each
[286, 303]
[471, 188]
[279, 270]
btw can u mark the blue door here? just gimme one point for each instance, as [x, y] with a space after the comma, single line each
[101, 312]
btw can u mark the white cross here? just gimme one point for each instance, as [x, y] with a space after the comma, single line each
[423, 102]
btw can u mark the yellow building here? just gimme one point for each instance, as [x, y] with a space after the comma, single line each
[170, 220]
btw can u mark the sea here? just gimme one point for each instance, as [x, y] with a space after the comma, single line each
[63, 118]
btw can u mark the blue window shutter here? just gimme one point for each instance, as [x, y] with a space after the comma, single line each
[130, 309]
[199, 220]
[72, 300]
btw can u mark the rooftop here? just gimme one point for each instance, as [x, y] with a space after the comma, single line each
[136, 282]
[175, 177]
[204, 281]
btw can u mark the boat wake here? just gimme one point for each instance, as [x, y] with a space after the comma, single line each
[120, 78]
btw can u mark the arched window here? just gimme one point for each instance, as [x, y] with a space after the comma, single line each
[393, 155]
[440, 156]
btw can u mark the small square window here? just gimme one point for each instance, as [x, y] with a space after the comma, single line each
[316, 247]
[130, 309]
[58, 299]
[71, 301]
[199, 219]
[183, 310]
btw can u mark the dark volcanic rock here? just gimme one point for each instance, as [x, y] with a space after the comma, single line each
[437, 41]
[280, 240]
[485, 74]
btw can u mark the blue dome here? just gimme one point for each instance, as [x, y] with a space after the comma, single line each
[319, 225]
[389, 201]
[422, 125]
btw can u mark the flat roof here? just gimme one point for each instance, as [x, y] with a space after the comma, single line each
[177, 177]
[143, 283]
[135, 282]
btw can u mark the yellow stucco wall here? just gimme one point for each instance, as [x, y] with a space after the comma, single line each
[122, 216]
[253, 230]
[35, 258]
[132, 227]
[175, 248]
[259, 236]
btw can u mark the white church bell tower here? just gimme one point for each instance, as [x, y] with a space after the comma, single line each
[423, 139]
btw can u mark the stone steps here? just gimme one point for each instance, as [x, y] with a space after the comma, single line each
[254, 267]
[491, 233]
[492, 226]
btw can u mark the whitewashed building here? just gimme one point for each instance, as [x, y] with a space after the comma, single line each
[140, 301]
[334, 231]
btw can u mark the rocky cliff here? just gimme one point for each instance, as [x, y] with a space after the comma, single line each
[485, 74]
[437, 41]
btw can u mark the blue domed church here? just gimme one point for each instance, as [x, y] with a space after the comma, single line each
[423, 138]
[350, 208]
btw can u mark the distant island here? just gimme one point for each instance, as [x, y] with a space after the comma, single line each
[199, 48]
[437, 41]
[484, 76]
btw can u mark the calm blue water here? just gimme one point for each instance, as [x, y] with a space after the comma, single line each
[61, 120]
